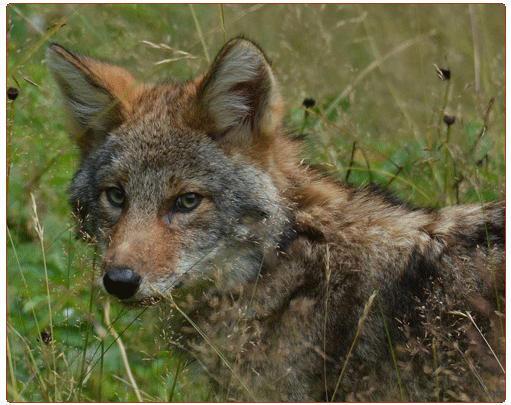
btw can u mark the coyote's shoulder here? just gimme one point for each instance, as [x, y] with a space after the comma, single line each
[284, 284]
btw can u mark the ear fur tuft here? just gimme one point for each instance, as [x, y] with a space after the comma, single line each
[239, 92]
[98, 96]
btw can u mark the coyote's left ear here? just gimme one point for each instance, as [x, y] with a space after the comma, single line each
[239, 96]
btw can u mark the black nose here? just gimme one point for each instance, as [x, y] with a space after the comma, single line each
[123, 283]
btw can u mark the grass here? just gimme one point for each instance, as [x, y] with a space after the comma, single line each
[379, 115]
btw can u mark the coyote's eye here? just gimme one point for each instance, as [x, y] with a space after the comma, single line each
[187, 202]
[115, 196]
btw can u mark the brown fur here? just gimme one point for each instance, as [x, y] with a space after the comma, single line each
[309, 289]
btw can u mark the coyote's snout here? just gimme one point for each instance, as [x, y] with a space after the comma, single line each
[309, 288]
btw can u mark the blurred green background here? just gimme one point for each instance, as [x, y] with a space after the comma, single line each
[378, 116]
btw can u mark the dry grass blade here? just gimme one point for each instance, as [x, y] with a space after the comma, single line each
[361, 321]
[106, 311]
[467, 315]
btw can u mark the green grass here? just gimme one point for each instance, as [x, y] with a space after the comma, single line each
[378, 116]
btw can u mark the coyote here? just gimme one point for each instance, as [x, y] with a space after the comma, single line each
[282, 284]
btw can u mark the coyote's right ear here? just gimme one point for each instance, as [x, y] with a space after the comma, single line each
[98, 96]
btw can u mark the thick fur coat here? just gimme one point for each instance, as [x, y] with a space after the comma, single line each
[283, 284]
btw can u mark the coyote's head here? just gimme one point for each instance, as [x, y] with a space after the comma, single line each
[178, 183]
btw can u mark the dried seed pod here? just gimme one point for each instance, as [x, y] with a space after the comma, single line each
[12, 93]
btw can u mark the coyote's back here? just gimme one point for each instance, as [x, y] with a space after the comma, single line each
[308, 289]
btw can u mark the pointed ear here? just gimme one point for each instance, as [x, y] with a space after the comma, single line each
[98, 96]
[239, 96]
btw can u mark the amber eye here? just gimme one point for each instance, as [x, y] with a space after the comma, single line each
[115, 196]
[188, 202]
